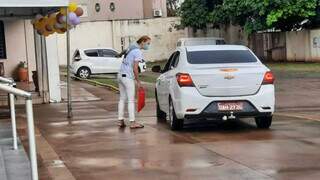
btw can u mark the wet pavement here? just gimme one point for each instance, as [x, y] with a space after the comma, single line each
[90, 146]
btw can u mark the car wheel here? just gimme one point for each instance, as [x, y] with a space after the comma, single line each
[84, 73]
[264, 122]
[161, 116]
[175, 123]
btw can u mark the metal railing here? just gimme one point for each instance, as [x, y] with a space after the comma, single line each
[7, 86]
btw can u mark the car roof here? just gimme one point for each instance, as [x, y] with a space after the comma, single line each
[216, 47]
[85, 49]
[201, 38]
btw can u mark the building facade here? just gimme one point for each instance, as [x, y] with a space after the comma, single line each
[101, 10]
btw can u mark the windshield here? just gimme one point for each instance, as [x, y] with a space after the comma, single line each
[220, 57]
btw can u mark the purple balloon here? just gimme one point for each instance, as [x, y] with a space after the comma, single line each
[72, 16]
[62, 19]
[75, 21]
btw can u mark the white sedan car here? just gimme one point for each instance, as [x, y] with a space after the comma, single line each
[214, 82]
[87, 62]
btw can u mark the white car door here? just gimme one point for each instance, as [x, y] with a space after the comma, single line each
[165, 81]
[92, 58]
[110, 63]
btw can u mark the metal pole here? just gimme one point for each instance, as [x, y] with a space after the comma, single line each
[32, 140]
[13, 121]
[68, 69]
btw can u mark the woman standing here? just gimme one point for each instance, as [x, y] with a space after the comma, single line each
[129, 73]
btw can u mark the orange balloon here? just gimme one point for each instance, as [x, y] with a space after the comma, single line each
[79, 11]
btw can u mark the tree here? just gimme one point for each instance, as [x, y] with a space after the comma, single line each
[196, 13]
[253, 15]
[172, 7]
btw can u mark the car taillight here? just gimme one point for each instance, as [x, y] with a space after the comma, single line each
[268, 78]
[184, 80]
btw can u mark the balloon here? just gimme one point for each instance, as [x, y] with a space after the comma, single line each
[52, 20]
[40, 24]
[49, 28]
[62, 19]
[61, 31]
[38, 17]
[72, 7]
[75, 21]
[58, 26]
[79, 11]
[72, 16]
[58, 16]
[63, 11]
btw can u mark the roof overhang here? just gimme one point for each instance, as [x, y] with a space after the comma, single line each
[33, 3]
[29, 8]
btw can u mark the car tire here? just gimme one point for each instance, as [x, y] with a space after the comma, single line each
[84, 73]
[264, 122]
[175, 123]
[161, 116]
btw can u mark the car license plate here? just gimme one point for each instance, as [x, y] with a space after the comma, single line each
[230, 106]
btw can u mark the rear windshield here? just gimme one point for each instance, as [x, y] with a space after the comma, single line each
[220, 57]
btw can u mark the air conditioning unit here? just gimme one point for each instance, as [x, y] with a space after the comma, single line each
[157, 13]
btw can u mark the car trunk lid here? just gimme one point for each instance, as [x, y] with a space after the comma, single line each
[228, 80]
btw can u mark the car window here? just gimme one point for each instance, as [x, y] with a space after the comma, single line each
[91, 53]
[175, 59]
[107, 53]
[220, 57]
[220, 42]
[76, 55]
[167, 66]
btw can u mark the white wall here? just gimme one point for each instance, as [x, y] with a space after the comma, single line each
[161, 30]
[18, 46]
[315, 45]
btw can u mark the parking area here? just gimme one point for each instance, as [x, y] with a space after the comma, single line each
[90, 146]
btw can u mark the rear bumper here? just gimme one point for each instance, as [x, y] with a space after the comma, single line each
[220, 115]
[260, 104]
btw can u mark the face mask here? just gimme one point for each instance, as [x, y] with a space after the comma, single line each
[146, 46]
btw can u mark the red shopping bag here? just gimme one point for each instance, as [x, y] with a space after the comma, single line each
[141, 98]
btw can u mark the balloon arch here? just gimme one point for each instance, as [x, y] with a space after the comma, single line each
[58, 22]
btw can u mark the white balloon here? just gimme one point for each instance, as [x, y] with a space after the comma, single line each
[38, 16]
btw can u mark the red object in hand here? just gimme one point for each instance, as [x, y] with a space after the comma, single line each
[141, 98]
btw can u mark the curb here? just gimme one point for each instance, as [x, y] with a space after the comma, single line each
[110, 87]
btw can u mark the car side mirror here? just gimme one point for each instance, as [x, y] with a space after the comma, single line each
[156, 69]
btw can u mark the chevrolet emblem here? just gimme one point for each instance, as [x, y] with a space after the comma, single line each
[229, 77]
[229, 70]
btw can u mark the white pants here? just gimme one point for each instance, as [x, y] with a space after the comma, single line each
[127, 93]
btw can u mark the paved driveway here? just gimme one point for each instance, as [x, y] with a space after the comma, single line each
[91, 146]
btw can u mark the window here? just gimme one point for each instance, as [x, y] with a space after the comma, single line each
[175, 60]
[76, 56]
[220, 57]
[3, 54]
[167, 66]
[91, 53]
[107, 53]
